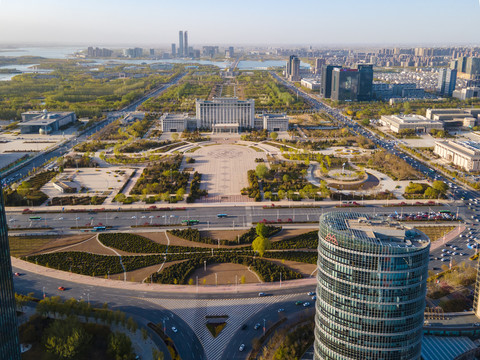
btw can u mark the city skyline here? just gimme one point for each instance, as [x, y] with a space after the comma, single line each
[31, 22]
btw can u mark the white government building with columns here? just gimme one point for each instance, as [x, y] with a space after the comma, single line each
[465, 154]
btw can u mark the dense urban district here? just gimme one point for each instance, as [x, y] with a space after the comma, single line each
[241, 203]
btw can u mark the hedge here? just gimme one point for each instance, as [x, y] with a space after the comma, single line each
[303, 241]
[309, 257]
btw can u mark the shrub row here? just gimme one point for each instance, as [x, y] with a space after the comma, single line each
[303, 241]
[309, 257]
[195, 192]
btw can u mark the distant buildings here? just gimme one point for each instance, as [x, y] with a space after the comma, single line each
[342, 84]
[292, 70]
[9, 341]
[225, 114]
[177, 122]
[447, 79]
[312, 84]
[186, 49]
[97, 52]
[454, 117]
[385, 91]
[418, 123]
[326, 87]
[319, 63]
[230, 52]
[210, 51]
[174, 50]
[371, 287]
[465, 154]
[345, 84]
[180, 43]
[45, 122]
[467, 67]
[133, 53]
[467, 93]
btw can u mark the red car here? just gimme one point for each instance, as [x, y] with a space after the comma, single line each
[61, 288]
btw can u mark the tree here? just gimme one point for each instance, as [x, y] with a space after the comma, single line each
[440, 186]
[431, 193]
[120, 346]
[65, 338]
[281, 194]
[267, 195]
[286, 178]
[261, 229]
[243, 280]
[260, 244]
[261, 171]
[273, 135]
[157, 355]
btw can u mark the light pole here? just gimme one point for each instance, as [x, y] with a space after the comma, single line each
[264, 327]
[204, 265]
[280, 279]
[216, 279]
[44, 292]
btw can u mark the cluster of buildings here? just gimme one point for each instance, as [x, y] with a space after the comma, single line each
[344, 84]
[467, 67]
[435, 119]
[464, 154]
[97, 52]
[44, 122]
[224, 115]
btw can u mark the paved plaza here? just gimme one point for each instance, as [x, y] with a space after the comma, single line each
[224, 167]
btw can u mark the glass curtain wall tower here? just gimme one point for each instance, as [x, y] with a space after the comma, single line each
[371, 287]
[9, 342]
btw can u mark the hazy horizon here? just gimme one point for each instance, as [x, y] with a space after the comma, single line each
[269, 23]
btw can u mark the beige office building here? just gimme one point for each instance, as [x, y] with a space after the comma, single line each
[396, 123]
[465, 154]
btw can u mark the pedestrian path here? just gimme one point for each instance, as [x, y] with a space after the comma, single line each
[195, 311]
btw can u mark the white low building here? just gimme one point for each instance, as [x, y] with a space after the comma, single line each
[312, 84]
[465, 154]
[396, 123]
[275, 122]
[175, 122]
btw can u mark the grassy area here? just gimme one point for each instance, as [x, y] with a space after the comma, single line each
[435, 232]
[23, 245]
[216, 328]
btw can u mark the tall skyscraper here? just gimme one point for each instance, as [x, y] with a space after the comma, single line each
[9, 343]
[345, 84]
[326, 87]
[365, 84]
[292, 71]
[180, 43]
[371, 287]
[186, 50]
[319, 63]
[447, 79]
[174, 51]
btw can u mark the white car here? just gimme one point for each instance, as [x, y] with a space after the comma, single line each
[174, 329]
[242, 347]
[306, 303]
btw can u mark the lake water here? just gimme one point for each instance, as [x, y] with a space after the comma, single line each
[23, 68]
[67, 52]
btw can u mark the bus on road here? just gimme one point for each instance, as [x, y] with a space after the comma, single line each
[35, 218]
[222, 215]
[99, 228]
[190, 222]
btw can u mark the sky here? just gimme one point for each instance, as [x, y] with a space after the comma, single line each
[245, 22]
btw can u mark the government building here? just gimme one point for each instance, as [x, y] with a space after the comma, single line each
[226, 114]
[371, 287]
[465, 154]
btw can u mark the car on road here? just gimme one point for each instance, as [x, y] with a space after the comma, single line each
[17, 274]
[298, 302]
[244, 327]
[314, 297]
[257, 326]
[262, 294]
[61, 288]
[306, 303]
[174, 329]
[242, 347]
[281, 310]
[311, 293]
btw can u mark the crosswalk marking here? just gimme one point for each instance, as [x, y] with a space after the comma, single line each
[194, 311]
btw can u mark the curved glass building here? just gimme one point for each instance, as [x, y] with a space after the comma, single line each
[9, 344]
[371, 287]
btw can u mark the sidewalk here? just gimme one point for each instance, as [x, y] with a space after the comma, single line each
[159, 288]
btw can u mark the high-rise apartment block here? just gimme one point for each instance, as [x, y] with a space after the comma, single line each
[174, 50]
[371, 287]
[319, 63]
[467, 67]
[180, 43]
[447, 79]
[9, 342]
[292, 71]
